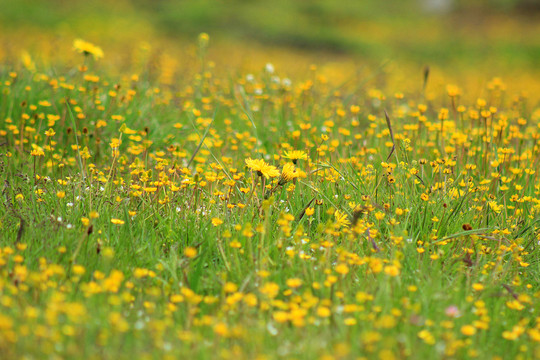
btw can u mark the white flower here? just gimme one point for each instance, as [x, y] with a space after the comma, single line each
[269, 68]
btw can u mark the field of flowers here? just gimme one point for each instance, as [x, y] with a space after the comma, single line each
[166, 201]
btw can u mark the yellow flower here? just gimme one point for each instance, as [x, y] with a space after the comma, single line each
[342, 269]
[217, 221]
[86, 48]
[190, 252]
[288, 173]
[294, 283]
[468, 330]
[391, 270]
[262, 168]
[230, 287]
[341, 219]
[37, 151]
[323, 311]
[78, 269]
[478, 287]
[281, 316]
[203, 39]
[117, 221]
[295, 155]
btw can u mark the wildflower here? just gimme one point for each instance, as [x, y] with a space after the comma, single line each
[341, 219]
[391, 270]
[270, 289]
[468, 330]
[217, 221]
[230, 287]
[295, 155]
[78, 269]
[117, 221]
[37, 151]
[204, 38]
[269, 68]
[294, 283]
[262, 168]
[288, 173]
[342, 269]
[427, 337]
[281, 316]
[87, 48]
[190, 252]
[478, 287]
[323, 311]
[452, 311]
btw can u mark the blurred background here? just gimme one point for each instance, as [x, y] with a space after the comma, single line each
[458, 39]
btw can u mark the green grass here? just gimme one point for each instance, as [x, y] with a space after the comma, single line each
[134, 223]
[398, 255]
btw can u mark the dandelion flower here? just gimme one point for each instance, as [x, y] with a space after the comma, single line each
[262, 168]
[288, 173]
[295, 155]
[341, 219]
[217, 221]
[86, 48]
[190, 252]
[468, 330]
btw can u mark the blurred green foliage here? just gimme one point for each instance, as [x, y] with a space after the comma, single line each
[472, 31]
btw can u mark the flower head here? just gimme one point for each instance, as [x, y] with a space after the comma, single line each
[288, 173]
[262, 168]
[295, 155]
[341, 219]
[86, 48]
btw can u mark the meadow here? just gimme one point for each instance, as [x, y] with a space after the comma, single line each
[168, 197]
